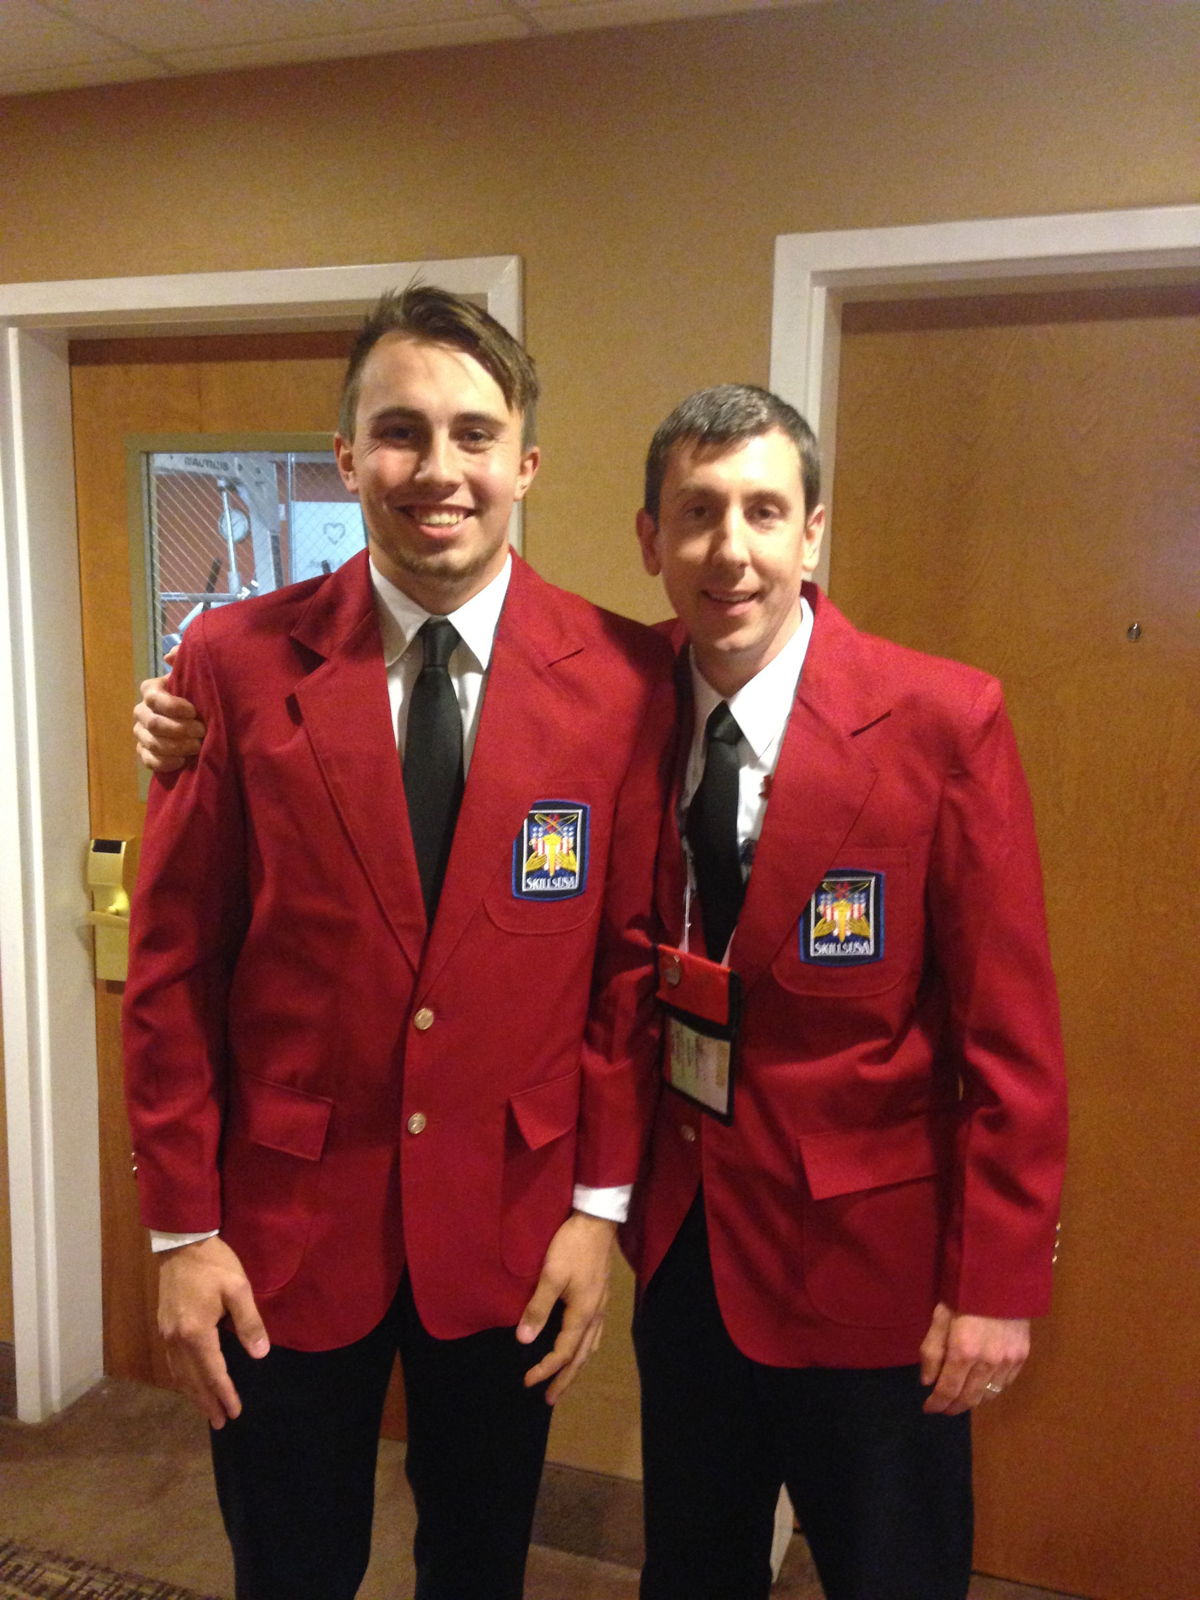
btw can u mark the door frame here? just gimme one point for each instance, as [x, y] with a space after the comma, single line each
[818, 273]
[46, 984]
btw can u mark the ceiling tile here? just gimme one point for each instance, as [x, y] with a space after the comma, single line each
[53, 44]
[32, 37]
[421, 37]
[188, 25]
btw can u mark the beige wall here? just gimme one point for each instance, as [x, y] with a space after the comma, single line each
[641, 175]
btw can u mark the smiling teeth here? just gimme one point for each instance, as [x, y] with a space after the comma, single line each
[439, 519]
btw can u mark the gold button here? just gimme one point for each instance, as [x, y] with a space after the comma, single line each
[687, 1133]
[416, 1123]
[423, 1019]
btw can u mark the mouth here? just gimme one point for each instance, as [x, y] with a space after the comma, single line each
[732, 601]
[435, 518]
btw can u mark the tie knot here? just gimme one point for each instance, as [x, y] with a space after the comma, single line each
[722, 725]
[438, 637]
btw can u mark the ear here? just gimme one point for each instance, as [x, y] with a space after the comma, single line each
[814, 532]
[343, 449]
[647, 533]
[531, 460]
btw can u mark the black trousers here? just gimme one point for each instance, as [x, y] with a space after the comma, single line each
[882, 1491]
[295, 1472]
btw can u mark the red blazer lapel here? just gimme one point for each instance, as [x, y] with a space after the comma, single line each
[670, 878]
[520, 704]
[820, 786]
[347, 716]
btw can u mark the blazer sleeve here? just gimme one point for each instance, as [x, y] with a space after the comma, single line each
[989, 930]
[187, 921]
[620, 1045]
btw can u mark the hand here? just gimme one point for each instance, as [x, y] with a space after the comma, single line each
[968, 1359]
[198, 1285]
[575, 1271]
[165, 727]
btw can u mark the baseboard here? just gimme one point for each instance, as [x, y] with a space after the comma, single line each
[590, 1514]
[8, 1380]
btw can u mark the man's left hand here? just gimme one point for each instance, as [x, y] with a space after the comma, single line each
[575, 1271]
[967, 1359]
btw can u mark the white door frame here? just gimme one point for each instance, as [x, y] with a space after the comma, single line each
[817, 273]
[46, 983]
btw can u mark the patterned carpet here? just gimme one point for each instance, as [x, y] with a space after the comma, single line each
[36, 1575]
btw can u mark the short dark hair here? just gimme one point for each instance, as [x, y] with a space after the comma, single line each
[731, 413]
[435, 316]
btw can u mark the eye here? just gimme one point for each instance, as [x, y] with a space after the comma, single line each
[768, 513]
[475, 438]
[397, 432]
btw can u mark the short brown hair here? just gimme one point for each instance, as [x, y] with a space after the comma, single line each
[731, 413]
[435, 316]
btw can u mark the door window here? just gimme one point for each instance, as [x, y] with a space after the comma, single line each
[220, 525]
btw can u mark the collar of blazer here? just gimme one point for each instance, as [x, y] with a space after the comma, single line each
[344, 704]
[821, 784]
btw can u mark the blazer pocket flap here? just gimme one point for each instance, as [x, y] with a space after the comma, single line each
[845, 1160]
[546, 1111]
[282, 1118]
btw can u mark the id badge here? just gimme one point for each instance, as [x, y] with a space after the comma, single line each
[702, 1003]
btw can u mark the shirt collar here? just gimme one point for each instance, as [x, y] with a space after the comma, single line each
[762, 706]
[401, 618]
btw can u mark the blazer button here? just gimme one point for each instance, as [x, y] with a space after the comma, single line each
[416, 1123]
[687, 1133]
[423, 1020]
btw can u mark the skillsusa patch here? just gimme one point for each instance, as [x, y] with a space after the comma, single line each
[842, 925]
[550, 855]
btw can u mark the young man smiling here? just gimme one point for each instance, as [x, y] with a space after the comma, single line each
[848, 1213]
[387, 1047]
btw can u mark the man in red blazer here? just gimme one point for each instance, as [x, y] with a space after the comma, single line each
[840, 1250]
[381, 1097]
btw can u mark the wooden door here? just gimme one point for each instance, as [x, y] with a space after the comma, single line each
[1018, 486]
[236, 385]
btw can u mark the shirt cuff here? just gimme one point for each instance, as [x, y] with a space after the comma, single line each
[612, 1204]
[171, 1241]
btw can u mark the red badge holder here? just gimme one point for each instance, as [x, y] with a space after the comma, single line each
[702, 1004]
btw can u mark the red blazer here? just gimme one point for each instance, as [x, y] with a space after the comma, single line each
[306, 1070]
[899, 1119]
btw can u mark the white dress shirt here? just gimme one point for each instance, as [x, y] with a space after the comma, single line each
[400, 620]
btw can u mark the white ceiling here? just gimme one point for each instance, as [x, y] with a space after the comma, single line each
[63, 44]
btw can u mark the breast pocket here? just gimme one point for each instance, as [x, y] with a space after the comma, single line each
[554, 878]
[859, 934]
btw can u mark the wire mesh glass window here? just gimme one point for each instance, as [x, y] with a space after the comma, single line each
[222, 525]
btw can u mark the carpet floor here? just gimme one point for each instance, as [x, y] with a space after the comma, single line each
[27, 1574]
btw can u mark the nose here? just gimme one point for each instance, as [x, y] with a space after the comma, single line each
[438, 467]
[729, 539]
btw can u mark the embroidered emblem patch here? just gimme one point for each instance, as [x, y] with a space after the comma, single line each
[550, 854]
[842, 925]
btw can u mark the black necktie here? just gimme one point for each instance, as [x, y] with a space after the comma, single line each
[712, 832]
[433, 764]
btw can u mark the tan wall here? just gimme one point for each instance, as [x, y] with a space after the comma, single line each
[641, 175]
